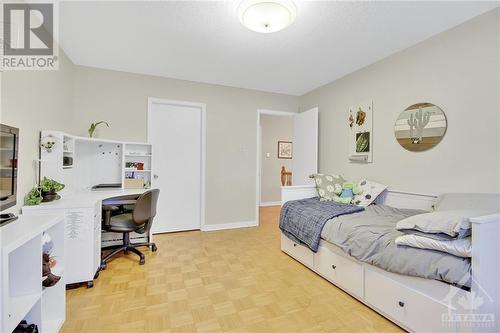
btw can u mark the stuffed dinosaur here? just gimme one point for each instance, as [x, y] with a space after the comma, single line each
[346, 192]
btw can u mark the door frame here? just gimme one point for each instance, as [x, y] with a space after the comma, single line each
[202, 107]
[258, 171]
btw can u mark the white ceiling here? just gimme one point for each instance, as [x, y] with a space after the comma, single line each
[205, 42]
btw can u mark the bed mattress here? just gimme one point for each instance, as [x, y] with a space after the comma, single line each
[369, 236]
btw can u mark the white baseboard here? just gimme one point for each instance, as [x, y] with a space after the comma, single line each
[234, 225]
[270, 203]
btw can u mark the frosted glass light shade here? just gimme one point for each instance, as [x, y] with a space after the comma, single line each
[266, 16]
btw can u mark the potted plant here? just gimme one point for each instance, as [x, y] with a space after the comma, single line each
[49, 189]
[34, 197]
[93, 126]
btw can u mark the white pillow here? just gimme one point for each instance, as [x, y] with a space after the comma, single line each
[458, 247]
[450, 223]
[370, 192]
[489, 203]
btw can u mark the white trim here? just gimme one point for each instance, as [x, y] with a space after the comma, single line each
[276, 113]
[259, 151]
[270, 203]
[486, 218]
[234, 225]
[203, 108]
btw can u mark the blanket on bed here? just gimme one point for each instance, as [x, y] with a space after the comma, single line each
[370, 237]
[303, 220]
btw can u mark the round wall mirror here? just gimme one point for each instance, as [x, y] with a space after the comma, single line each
[420, 127]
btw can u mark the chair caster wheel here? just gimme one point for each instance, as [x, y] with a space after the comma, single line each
[142, 261]
[154, 248]
[90, 284]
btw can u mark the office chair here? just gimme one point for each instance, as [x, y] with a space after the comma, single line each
[139, 221]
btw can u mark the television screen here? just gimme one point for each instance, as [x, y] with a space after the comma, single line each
[9, 137]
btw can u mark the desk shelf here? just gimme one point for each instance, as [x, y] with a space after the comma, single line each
[138, 155]
[73, 157]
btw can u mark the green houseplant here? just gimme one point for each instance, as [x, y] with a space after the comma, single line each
[49, 189]
[34, 197]
[93, 126]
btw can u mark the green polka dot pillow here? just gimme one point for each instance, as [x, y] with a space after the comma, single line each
[326, 184]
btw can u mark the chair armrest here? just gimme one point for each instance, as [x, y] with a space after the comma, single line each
[107, 209]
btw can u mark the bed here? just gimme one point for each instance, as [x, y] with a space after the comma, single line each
[411, 295]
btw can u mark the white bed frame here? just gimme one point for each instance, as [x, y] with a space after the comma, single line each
[416, 304]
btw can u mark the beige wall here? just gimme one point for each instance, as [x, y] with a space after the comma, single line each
[457, 70]
[121, 99]
[273, 129]
[33, 101]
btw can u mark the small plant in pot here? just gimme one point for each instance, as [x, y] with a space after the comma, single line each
[49, 188]
[34, 197]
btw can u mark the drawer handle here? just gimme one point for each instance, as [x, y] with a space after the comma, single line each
[294, 244]
[401, 304]
[334, 266]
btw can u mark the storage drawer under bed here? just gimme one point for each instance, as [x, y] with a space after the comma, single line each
[297, 251]
[344, 272]
[414, 310]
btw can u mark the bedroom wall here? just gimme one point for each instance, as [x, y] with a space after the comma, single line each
[33, 101]
[457, 70]
[121, 99]
[273, 129]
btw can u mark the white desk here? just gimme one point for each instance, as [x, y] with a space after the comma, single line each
[82, 199]
[82, 212]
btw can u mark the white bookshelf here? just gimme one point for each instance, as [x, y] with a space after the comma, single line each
[138, 153]
[22, 295]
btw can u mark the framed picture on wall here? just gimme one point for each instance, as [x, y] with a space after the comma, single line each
[284, 149]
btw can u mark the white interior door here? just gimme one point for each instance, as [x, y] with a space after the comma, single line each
[175, 130]
[305, 146]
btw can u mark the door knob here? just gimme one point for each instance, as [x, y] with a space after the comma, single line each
[155, 176]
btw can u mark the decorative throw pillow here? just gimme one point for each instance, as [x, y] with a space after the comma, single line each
[325, 185]
[369, 192]
[445, 225]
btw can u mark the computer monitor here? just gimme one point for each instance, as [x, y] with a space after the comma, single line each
[9, 143]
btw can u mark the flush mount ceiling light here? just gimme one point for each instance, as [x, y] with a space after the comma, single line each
[267, 16]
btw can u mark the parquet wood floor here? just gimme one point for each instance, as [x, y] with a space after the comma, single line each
[222, 281]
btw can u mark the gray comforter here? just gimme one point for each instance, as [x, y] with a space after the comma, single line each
[369, 236]
[303, 220]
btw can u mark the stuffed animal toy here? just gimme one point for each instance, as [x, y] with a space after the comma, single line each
[48, 262]
[346, 192]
